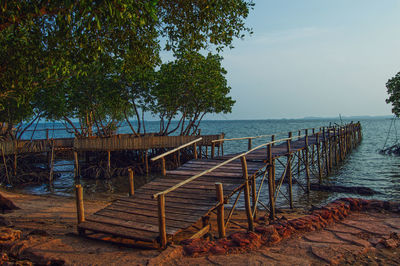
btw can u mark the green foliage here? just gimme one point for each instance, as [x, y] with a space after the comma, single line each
[190, 87]
[393, 89]
[56, 52]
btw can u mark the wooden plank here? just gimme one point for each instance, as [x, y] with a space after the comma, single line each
[123, 223]
[172, 216]
[193, 201]
[178, 205]
[119, 231]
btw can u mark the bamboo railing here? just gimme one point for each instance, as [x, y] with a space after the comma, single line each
[162, 156]
[341, 132]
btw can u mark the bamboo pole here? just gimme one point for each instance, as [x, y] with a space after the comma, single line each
[146, 161]
[15, 157]
[5, 165]
[254, 196]
[319, 159]
[298, 158]
[161, 221]
[109, 162]
[195, 151]
[307, 163]
[289, 173]
[163, 167]
[271, 183]
[131, 183]
[76, 169]
[220, 210]
[325, 147]
[247, 194]
[79, 204]
[51, 164]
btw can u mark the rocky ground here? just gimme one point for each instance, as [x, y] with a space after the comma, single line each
[43, 231]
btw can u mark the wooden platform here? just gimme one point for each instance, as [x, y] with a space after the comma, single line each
[138, 217]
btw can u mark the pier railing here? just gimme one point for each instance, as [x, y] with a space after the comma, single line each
[177, 149]
[160, 196]
[346, 138]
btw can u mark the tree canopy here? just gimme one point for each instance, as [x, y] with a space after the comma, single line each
[393, 89]
[67, 59]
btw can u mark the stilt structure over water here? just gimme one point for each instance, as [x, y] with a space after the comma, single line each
[155, 213]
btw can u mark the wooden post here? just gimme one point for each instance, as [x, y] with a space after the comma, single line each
[15, 157]
[52, 163]
[273, 139]
[76, 170]
[330, 149]
[79, 204]
[271, 183]
[161, 221]
[247, 194]
[131, 183]
[163, 167]
[47, 134]
[220, 210]
[307, 163]
[195, 151]
[289, 172]
[254, 196]
[325, 148]
[109, 162]
[212, 150]
[298, 159]
[319, 159]
[249, 144]
[146, 161]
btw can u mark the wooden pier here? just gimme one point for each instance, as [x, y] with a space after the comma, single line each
[155, 213]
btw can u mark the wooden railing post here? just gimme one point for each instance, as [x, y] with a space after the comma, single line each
[247, 194]
[146, 158]
[307, 162]
[249, 144]
[289, 171]
[319, 158]
[195, 151]
[131, 183]
[212, 150]
[271, 183]
[220, 210]
[79, 204]
[161, 221]
[76, 169]
[163, 167]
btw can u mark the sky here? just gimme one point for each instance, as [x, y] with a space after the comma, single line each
[314, 58]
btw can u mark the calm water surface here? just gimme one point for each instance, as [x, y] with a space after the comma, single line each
[363, 167]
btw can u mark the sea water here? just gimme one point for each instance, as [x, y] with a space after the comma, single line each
[364, 166]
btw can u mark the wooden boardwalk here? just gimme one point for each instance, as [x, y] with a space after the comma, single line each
[159, 210]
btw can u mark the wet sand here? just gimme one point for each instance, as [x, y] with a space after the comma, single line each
[48, 226]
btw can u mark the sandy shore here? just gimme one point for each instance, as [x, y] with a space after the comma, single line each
[48, 226]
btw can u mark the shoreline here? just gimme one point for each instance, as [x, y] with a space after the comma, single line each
[48, 225]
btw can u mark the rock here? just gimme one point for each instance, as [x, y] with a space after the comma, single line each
[23, 263]
[7, 205]
[390, 243]
[218, 250]
[196, 247]
[8, 234]
[4, 258]
[4, 221]
[249, 240]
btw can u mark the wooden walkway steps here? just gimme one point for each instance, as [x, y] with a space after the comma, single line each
[167, 205]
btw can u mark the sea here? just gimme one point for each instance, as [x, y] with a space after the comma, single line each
[365, 166]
